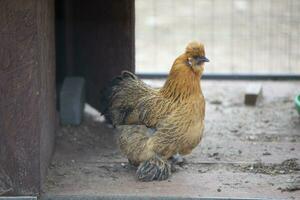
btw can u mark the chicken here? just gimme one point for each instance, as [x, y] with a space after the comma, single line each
[156, 124]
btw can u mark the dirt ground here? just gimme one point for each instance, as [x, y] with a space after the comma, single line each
[246, 151]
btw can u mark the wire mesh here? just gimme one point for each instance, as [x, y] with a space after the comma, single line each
[240, 36]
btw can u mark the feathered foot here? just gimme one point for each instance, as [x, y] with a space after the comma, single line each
[154, 169]
[177, 160]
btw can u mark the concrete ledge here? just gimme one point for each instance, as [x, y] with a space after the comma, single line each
[19, 198]
[124, 197]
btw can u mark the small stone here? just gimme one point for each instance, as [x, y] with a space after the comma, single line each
[234, 130]
[216, 102]
[203, 170]
[87, 172]
[61, 174]
[213, 154]
[292, 149]
[251, 138]
[266, 153]
[240, 151]
[219, 190]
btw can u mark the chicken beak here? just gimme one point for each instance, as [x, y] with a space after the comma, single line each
[200, 59]
[203, 59]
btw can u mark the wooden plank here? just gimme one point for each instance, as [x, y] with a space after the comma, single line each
[27, 91]
[253, 92]
[46, 61]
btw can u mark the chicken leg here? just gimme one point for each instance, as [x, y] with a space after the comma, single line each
[155, 168]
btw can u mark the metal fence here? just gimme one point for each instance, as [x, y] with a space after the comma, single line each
[241, 36]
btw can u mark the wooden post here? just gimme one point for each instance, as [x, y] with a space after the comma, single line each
[27, 91]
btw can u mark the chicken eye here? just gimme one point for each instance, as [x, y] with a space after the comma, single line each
[190, 62]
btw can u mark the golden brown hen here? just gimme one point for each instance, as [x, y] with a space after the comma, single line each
[156, 124]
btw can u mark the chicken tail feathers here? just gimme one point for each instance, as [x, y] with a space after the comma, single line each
[109, 91]
[127, 74]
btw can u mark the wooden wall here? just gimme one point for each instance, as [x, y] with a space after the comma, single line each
[27, 91]
[95, 40]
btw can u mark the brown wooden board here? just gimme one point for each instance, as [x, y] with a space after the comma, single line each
[27, 91]
[96, 41]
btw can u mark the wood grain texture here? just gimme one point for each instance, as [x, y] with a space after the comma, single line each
[27, 103]
[46, 48]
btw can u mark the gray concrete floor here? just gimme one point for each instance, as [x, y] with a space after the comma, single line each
[246, 152]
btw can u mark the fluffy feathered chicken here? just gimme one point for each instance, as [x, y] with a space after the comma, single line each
[156, 124]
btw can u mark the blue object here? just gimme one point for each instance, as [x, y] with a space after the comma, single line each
[72, 99]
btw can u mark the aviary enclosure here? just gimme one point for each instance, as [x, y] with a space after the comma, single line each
[250, 147]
